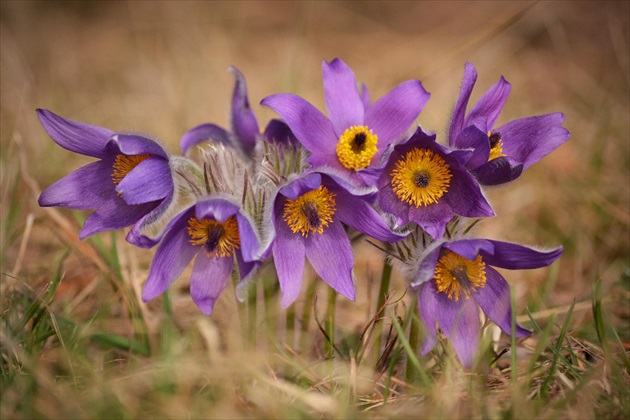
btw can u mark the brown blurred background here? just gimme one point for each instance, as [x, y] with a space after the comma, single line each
[160, 68]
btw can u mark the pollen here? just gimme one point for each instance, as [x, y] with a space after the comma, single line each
[421, 177]
[218, 239]
[496, 145]
[311, 212]
[455, 275]
[357, 147]
[123, 164]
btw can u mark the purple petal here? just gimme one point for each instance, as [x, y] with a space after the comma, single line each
[389, 202]
[204, 132]
[432, 218]
[115, 214]
[457, 123]
[498, 171]
[244, 123]
[515, 257]
[365, 96]
[428, 307]
[130, 144]
[209, 278]
[301, 185]
[277, 131]
[465, 196]
[250, 246]
[86, 188]
[528, 140]
[309, 125]
[135, 235]
[475, 138]
[330, 254]
[490, 104]
[343, 103]
[428, 261]
[77, 137]
[470, 248]
[288, 256]
[151, 180]
[219, 209]
[460, 322]
[391, 116]
[494, 300]
[171, 258]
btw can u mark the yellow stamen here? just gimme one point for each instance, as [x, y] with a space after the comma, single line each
[421, 177]
[357, 147]
[311, 212]
[123, 164]
[496, 145]
[455, 274]
[218, 239]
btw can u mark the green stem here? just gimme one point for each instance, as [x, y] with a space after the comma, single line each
[306, 315]
[386, 276]
[414, 334]
[330, 323]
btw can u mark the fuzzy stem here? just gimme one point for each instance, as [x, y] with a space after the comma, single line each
[414, 333]
[306, 315]
[330, 322]
[386, 276]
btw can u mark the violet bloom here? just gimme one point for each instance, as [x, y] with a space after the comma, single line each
[130, 182]
[453, 272]
[501, 154]
[424, 183]
[307, 216]
[243, 124]
[215, 230]
[357, 133]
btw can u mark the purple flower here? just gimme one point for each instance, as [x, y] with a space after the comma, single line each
[307, 216]
[130, 182]
[501, 154]
[424, 183]
[244, 126]
[215, 230]
[357, 133]
[452, 272]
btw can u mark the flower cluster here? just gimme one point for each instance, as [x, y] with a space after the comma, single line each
[290, 192]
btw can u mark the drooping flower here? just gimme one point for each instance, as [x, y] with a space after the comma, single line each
[501, 154]
[215, 231]
[307, 215]
[244, 130]
[424, 183]
[355, 134]
[455, 277]
[130, 182]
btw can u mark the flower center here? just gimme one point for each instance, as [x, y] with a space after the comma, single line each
[421, 177]
[357, 147]
[455, 274]
[311, 212]
[123, 164]
[496, 145]
[218, 239]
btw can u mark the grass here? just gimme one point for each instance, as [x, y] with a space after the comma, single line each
[76, 341]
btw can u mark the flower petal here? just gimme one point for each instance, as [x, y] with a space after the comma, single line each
[301, 185]
[209, 278]
[515, 257]
[457, 122]
[309, 125]
[365, 96]
[86, 188]
[171, 258]
[494, 300]
[392, 115]
[498, 171]
[428, 307]
[470, 248]
[250, 245]
[490, 104]
[432, 218]
[131, 144]
[528, 140]
[243, 121]
[428, 261]
[288, 256]
[277, 131]
[476, 138]
[343, 103]
[330, 254]
[151, 180]
[460, 322]
[465, 196]
[77, 137]
[219, 208]
[115, 214]
[204, 132]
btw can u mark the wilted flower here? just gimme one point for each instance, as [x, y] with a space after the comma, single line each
[424, 183]
[215, 230]
[307, 216]
[131, 181]
[450, 273]
[501, 154]
[357, 133]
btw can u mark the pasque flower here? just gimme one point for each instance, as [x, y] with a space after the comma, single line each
[244, 130]
[355, 134]
[131, 180]
[502, 153]
[425, 183]
[307, 215]
[456, 277]
[215, 231]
